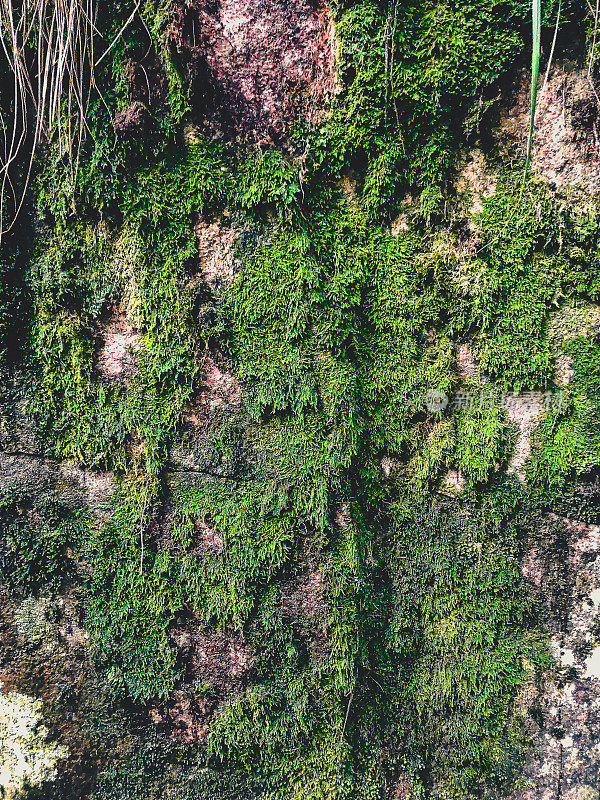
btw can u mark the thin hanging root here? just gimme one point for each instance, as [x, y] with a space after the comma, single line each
[549, 64]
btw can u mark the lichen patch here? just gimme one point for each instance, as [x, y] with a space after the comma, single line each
[27, 757]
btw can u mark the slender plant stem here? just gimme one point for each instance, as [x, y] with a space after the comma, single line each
[536, 23]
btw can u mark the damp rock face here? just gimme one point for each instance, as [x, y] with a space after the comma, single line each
[254, 65]
[27, 758]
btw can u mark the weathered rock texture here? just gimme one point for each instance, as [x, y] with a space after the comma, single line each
[217, 666]
[565, 145]
[117, 345]
[27, 758]
[254, 64]
[564, 568]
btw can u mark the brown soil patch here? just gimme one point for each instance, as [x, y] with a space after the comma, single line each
[116, 359]
[220, 658]
[207, 539]
[254, 65]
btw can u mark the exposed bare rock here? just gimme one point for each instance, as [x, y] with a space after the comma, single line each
[574, 320]
[570, 322]
[565, 572]
[27, 757]
[220, 391]
[349, 181]
[147, 81]
[148, 88]
[40, 478]
[17, 429]
[116, 358]
[304, 597]
[216, 252]
[403, 790]
[464, 361]
[563, 369]
[131, 119]
[217, 665]
[205, 539]
[525, 411]
[565, 145]
[70, 632]
[254, 65]
[474, 181]
[342, 516]
[403, 220]
[453, 482]
[35, 619]
[62, 689]
[390, 466]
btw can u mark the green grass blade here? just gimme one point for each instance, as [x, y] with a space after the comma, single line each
[536, 20]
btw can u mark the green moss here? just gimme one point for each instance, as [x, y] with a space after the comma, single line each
[338, 331]
[35, 544]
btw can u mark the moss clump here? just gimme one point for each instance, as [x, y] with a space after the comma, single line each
[338, 332]
[34, 545]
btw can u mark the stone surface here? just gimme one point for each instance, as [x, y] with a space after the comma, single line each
[255, 65]
[564, 571]
[40, 478]
[565, 145]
